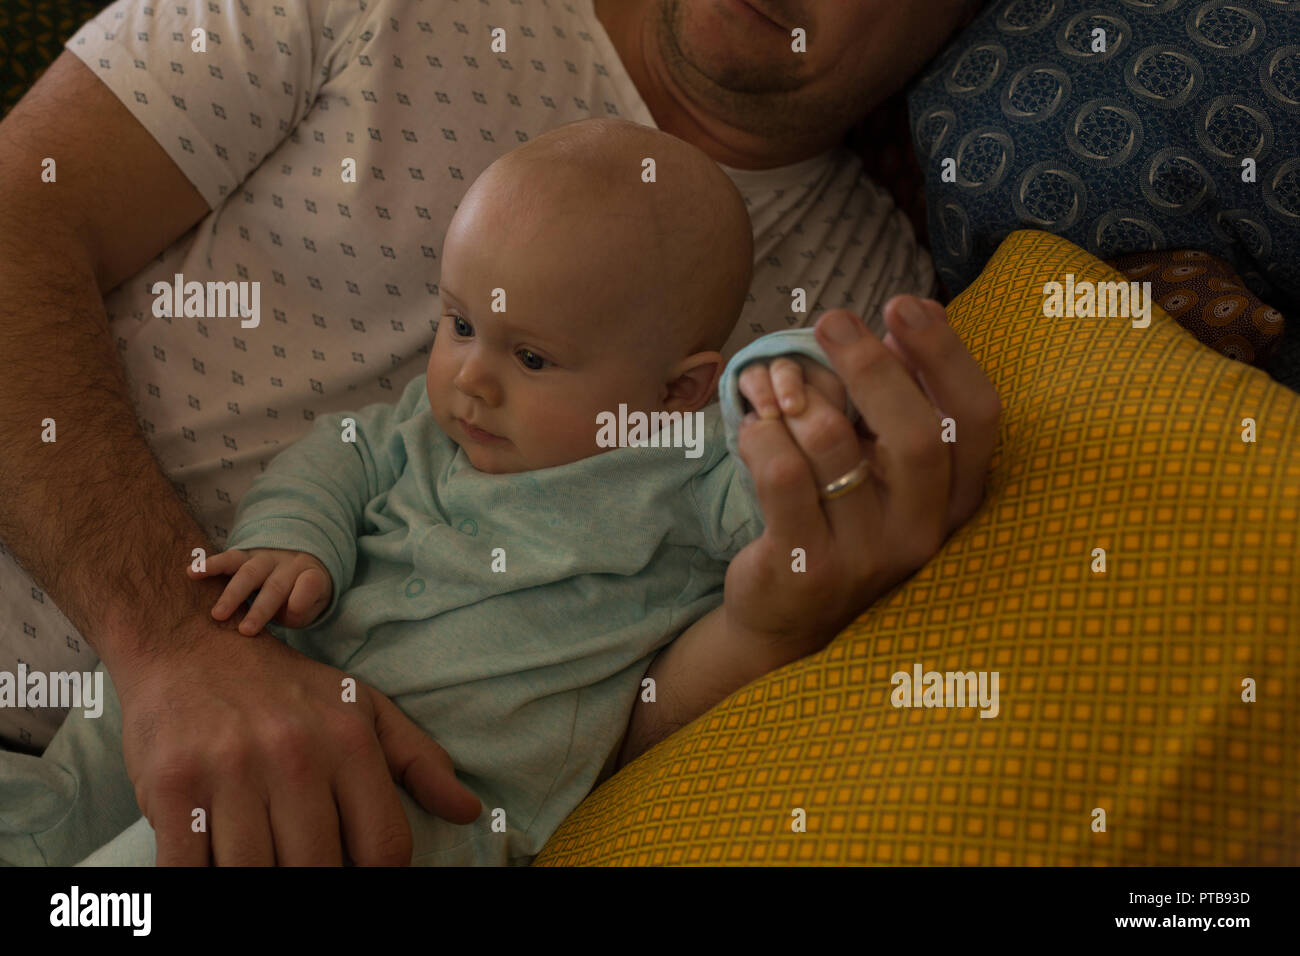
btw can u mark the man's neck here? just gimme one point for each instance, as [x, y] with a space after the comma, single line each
[631, 27]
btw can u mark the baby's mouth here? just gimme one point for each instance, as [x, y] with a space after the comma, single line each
[478, 434]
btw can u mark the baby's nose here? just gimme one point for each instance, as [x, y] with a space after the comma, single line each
[476, 381]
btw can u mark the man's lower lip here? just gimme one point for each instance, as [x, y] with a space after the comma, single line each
[756, 15]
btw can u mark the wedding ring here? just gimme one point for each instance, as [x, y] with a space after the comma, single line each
[845, 483]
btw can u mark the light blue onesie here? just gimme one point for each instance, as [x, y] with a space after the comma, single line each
[512, 617]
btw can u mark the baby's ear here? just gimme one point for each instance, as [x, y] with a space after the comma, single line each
[693, 382]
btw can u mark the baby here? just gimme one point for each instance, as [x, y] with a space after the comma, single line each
[474, 550]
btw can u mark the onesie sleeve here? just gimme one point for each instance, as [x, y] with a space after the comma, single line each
[219, 110]
[786, 342]
[725, 506]
[313, 495]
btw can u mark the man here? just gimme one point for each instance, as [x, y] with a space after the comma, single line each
[321, 149]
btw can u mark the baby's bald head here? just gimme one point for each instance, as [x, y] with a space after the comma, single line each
[656, 265]
[571, 286]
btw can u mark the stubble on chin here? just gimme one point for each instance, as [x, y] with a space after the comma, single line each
[762, 94]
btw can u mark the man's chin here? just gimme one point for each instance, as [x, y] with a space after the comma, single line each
[733, 54]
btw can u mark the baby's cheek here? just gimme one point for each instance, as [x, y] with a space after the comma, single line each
[569, 437]
[435, 374]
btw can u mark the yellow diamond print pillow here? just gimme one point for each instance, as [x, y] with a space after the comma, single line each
[1146, 713]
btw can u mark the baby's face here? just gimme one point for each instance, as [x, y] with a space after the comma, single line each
[520, 389]
[521, 392]
[570, 288]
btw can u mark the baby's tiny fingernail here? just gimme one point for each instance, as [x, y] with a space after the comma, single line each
[770, 413]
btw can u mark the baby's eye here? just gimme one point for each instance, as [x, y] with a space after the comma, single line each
[461, 326]
[528, 358]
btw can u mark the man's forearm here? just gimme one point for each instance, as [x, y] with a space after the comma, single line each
[89, 515]
[707, 662]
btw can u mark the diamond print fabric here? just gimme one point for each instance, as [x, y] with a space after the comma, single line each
[1119, 691]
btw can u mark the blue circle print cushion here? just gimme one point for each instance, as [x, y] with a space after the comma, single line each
[1123, 125]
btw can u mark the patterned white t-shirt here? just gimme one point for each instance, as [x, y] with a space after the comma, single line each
[413, 92]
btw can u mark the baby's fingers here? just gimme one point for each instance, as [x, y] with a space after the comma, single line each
[272, 596]
[311, 593]
[248, 577]
[224, 562]
[788, 381]
[755, 384]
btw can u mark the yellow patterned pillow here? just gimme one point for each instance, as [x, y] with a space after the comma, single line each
[1119, 691]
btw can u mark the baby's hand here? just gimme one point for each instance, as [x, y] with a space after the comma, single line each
[294, 586]
[778, 388]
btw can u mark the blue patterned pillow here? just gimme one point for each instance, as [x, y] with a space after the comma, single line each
[1122, 126]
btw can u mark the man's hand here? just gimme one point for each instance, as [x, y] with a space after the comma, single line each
[259, 737]
[919, 489]
[293, 587]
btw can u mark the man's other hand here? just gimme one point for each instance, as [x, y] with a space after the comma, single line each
[285, 769]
